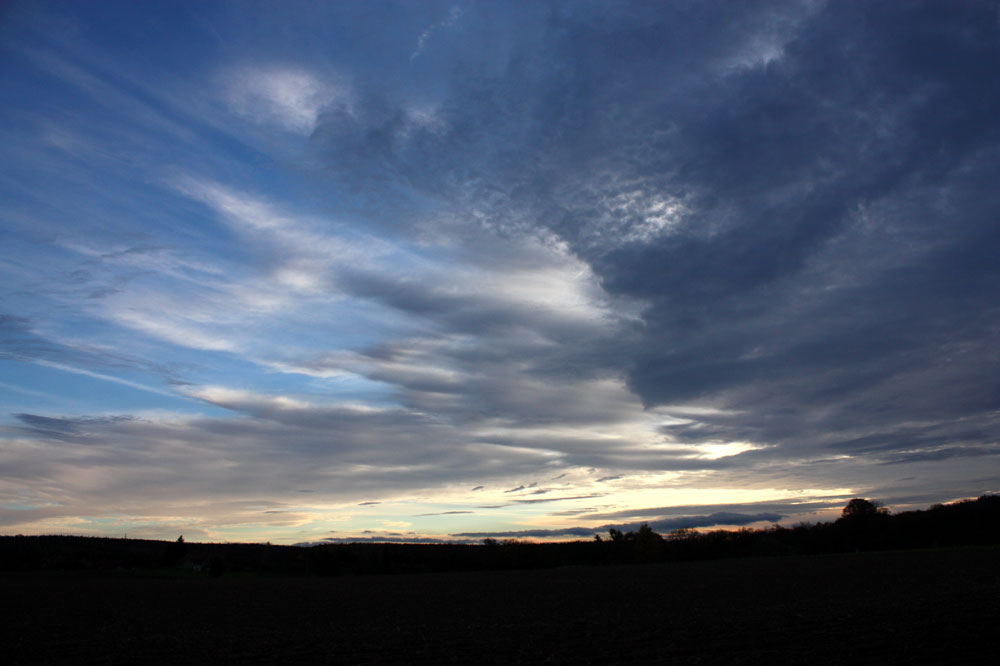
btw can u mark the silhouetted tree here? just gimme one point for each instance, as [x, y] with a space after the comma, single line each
[645, 534]
[682, 533]
[863, 507]
[648, 543]
[174, 552]
[866, 523]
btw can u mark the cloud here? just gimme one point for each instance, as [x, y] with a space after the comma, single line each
[545, 500]
[665, 525]
[290, 98]
[452, 17]
[379, 539]
[688, 247]
[942, 454]
[801, 206]
[343, 449]
[21, 341]
[785, 507]
[443, 513]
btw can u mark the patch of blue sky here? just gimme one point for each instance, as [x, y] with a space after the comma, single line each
[105, 213]
[61, 388]
[18, 396]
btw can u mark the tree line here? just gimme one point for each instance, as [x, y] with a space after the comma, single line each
[863, 525]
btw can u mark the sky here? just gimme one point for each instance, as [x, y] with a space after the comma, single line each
[420, 271]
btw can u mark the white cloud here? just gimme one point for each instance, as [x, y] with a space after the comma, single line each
[290, 98]
[102, 376]
[263, 404]
[179, 321]
[653, 214]
[301, 237]
[452, 17]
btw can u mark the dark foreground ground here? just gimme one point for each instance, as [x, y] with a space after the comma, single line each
[894, 607]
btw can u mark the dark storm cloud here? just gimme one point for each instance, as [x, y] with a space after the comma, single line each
[783, 507]
[664, 525]
[804, 197]
[711, 520]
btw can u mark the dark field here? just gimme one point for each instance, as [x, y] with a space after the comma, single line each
[938, 606]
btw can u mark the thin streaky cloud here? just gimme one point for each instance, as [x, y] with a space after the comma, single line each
[454, 14]
[108, 378]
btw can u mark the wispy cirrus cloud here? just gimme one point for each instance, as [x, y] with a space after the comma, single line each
[454, 14]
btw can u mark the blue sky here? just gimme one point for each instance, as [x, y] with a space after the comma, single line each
[303, 271]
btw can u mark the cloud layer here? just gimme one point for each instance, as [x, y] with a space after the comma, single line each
[515, 269]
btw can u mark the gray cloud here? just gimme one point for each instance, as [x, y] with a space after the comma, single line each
[442, 513]
[59, 427]
[19, 341]
[215, 460]
[778, 218]
[785, 508]
[802, 195]
[379, 539]
[554, 499]
[663, 526]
